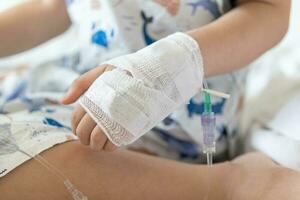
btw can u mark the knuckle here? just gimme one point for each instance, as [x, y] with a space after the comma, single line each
[110, 147]
[82, 136]
[73, 118]
[73, 125]
[95, 137]
[78, 133]
[96, 143]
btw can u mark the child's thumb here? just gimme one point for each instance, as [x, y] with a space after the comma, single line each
[81, 84]
[77, 89]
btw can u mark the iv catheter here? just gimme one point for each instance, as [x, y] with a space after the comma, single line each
[208, 122]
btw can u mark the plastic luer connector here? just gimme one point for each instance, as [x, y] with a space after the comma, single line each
[208, 121]
[76, 194]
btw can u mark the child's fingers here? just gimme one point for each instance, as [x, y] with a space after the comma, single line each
[109, 146]
[77, 115]
[98, 139]
[85, 128]
[81, 84]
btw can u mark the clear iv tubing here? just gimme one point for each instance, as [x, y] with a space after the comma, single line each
[208, 124]
[209, 146]
[76, 194]
[209, 157]
[205, 85]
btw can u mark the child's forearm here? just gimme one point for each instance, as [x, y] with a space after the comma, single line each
[30, 24]
[242, 35]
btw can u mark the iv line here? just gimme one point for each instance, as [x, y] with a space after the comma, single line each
[208, 122]
[76, 194]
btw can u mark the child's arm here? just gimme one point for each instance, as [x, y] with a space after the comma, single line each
[242, 35]
[172, 68]
[30, 24]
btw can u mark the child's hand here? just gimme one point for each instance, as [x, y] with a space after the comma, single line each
[88, 132]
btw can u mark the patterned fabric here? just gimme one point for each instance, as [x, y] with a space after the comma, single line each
[32, 131]
[109, 28]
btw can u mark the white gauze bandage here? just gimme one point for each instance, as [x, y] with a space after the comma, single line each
[163, 76]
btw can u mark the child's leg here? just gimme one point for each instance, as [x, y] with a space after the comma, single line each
[101, 175]
[127, 175]
[257, 177]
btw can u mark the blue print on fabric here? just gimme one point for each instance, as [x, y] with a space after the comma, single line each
[198, 108]
[93, 26]
[146, 22]
[8, 144]
[186, 149]
[49, 110]
[100, 38]
[168, 121]
[17, 92]
[33, 105]
[112, 33]
[53, 122]
[209, 5]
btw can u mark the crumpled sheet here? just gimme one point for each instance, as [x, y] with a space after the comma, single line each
[34, 87]
[31, 118]
[279, 138]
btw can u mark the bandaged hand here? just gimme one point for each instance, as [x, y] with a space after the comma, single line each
[143, 89]
[83, 125]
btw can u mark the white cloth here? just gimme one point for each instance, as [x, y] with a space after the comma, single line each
[286, 121]
[280, 148]
[165, 75]
[32, 132]
[279, 138]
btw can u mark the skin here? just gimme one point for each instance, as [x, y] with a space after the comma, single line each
[171, 6]
[133, 176]
[247, 31]
[30, 24]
